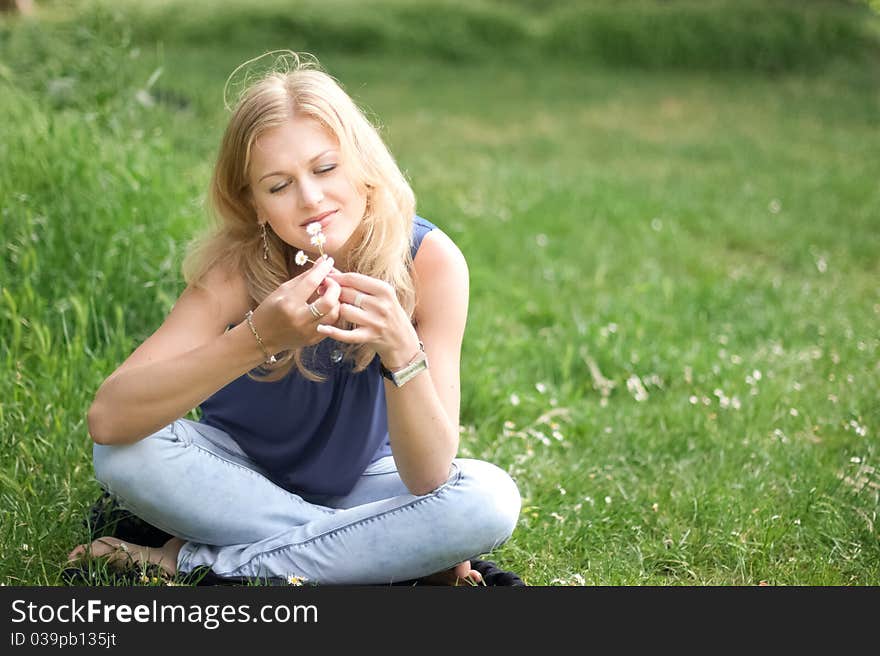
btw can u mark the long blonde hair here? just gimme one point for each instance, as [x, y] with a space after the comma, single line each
[382, 248]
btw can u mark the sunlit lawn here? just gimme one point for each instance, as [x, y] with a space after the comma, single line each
[672, 343]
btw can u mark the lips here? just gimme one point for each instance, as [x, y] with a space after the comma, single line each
[323, 219]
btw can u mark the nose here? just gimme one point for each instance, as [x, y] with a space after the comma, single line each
[310, 193]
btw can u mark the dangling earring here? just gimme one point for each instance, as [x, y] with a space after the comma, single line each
[265, 241]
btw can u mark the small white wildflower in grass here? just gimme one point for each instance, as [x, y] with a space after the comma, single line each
[706, 400]
[610, 329]
[797, 522]
[850, 379]
[718, 392]
[509, 425]
[313, 228]
[774, 518]
[514, 399]
[855, 460]
[656, 224]
[559, 518]
[635, 387]
[554, 402]
[296, 580]
[775, 206]
[655, 506]
[756, 374]
[607, 500]
[25, 547]
[558, 436]
[736, 403]
[608, 430]
[821, 264]
[541, 387]
[693, 400]
[796, 386]
[754, 391]
[735, 359]
[793, 412]
[561, 490]
[541, 240]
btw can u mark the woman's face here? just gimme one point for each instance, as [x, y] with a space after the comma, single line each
[297, 177]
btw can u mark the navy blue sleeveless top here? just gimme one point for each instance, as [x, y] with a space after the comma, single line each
[311, 438]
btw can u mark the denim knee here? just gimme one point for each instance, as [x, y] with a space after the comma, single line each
[120, 467]
[492, 501]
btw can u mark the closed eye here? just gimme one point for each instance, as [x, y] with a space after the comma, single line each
[278, 188]
[320, 171]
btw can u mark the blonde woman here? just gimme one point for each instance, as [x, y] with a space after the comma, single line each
[329, 388]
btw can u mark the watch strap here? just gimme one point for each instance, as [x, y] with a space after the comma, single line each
[406, 373]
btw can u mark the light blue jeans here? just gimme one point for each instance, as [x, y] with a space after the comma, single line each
[194, 481]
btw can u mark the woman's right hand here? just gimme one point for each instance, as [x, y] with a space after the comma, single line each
[283, 320]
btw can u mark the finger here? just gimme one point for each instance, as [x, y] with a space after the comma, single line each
[363, 283]
[315, 276]
[328, 302]
[354, 314]
[350, 295]
[356, 336]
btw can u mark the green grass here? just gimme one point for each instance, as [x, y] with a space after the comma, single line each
[677, 229]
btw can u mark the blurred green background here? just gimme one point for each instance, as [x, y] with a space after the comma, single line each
[670, 212]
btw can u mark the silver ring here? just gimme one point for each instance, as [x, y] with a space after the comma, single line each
[358, 299]
[315, 311]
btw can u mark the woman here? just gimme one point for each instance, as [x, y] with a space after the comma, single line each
[329, 388]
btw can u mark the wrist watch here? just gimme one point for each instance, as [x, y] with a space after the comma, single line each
[409, 371]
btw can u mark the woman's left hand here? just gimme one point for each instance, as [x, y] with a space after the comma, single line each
[380, 321]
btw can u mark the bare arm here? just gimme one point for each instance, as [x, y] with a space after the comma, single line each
[191, 356]
[423, 414]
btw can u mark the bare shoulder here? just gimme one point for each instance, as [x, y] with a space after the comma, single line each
[226, 288]
[439, 253]
[441, 276]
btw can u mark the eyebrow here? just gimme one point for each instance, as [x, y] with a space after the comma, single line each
[310, 161]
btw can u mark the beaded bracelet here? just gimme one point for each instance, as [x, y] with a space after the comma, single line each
[270, 359]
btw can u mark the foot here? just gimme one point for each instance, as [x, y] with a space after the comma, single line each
[461, 574]
[123, 555]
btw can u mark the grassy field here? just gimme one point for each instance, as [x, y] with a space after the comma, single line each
[673, 338]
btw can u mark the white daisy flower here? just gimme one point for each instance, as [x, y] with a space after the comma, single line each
[301, 258]
[296, 580]
[313, 228]
[319, 239]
